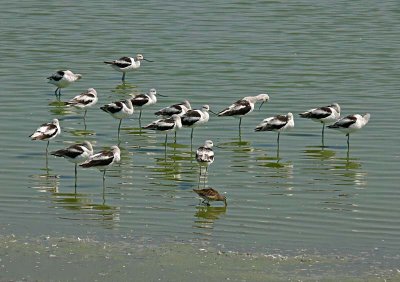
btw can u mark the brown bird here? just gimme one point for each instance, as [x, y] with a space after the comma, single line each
[210, 194]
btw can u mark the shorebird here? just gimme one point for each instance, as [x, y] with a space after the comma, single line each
[103, 160]
[77, 153]
[119, 110]
[350, 124]
[205, 156]
[166, 125]
[194, 118]
[277, 123]
[143, 100]
[84, 100]
[62, 79]
[47, 131]
[210, 194]
[243, 107]
[325, 115]
[126, 64]
[178, 109]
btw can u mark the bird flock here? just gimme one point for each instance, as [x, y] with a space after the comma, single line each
[173, 118]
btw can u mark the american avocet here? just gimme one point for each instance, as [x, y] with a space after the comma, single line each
[176, 109]
[103, 160]
[194, 118]
[84, 100]
[143, 100]
[62, 79]
[205, 156]
[166, 125]
[119, 110]
[126, 64]
[277, 123]
[350, 124]
[210, 194]
[325, 115]
[47, 131]
[77, 153]
[243, 107]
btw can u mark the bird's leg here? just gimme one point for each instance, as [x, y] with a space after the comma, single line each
[140, 115]
[123, 77]
[84, 119]
[348, 141]
[278, 138]
[119, 127]
[76, 176]
[175, 136]
[191, 139]
[323, 129]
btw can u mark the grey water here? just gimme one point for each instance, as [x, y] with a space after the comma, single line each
[302, 198]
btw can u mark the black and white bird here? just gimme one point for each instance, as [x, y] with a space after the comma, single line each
[166, 125]
[84, 100]
[243, 107]
[325, 115]
[351, 124]
[194, 118]
[62, 79]
[103, 160]
[143, 100]
[176, 109]
[277, 123]
[126, 64]
[47, 131]
[205, 156]
[77, 153]
[119, 110]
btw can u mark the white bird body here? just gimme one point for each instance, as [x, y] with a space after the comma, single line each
[351, 123]
[62, 79]
[103, 159]
[126, 64]
[277, 123]
[179, 109]
[77, 153]
[166, 125]
[47, 131]
[193, 118]
[326, 115]
[243, 106]
[119, 109]
[205, 154]
[85, 99]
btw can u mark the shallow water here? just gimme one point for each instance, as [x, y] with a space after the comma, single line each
[304, 198]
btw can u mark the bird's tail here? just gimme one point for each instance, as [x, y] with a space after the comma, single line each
[305, 115]
[108, 62]
[58, 153]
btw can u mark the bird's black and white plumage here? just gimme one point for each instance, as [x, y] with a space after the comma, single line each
[126, 64]
[165, 125]
[277, 123]
[77, 153]
[205, 154]
[84, 100]
[350, 124]
[143, 100]
[62, 79]
[103, 159]
[47, 131]
[119, 110]
[194, 118]
[325, 115]
[176, 109]
[243, 107]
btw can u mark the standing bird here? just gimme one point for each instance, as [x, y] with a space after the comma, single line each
[166, 125]
[47, 131]
[176, 109]
[350, 124]
[277, 123]
[205, 157]
[243, 107]
[77, 153]
[143, 100]
[119, 110]
[84, 101]
[103, 160]
[210, 194]
[194, 118]
[126, 64]
[62, 79]
[325, 115]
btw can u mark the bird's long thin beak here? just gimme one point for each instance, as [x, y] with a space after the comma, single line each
[147, 60]
[158, 94]
[261, 105]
